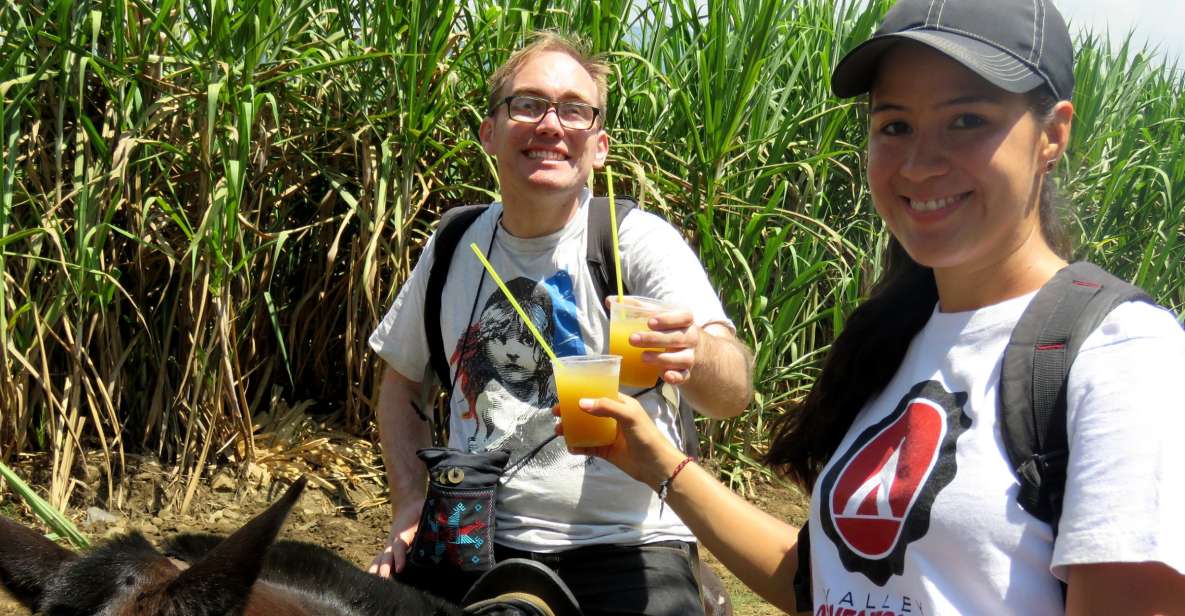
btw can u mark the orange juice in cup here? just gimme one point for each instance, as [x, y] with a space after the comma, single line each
[586, 376]
[626, 317]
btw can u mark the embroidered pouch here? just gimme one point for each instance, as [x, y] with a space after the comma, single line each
[456, 530]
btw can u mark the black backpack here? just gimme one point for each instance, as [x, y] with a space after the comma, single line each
[1033, 379]
[599, 256]
[1036, 366]
[448, 234]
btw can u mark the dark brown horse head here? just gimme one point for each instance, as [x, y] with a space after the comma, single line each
[128, 577]
[245, 574]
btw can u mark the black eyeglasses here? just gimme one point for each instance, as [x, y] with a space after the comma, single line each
[575, 116]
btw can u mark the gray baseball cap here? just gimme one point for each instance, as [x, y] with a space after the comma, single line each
[1016, 45]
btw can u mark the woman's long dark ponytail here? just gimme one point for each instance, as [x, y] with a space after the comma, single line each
[860, 363]
[866, 355]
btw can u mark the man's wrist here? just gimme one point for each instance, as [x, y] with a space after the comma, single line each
[703, 350]
[402, 507]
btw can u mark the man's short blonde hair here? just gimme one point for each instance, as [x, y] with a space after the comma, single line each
[541, 42]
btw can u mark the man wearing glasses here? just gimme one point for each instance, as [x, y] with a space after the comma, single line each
[605, 534]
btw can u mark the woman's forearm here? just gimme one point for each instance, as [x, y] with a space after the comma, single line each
[758, 548]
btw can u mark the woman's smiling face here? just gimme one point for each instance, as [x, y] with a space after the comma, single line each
[954, 162]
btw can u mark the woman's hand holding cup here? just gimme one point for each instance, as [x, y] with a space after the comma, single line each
[640, 449]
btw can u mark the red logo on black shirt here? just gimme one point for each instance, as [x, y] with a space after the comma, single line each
[876, 498]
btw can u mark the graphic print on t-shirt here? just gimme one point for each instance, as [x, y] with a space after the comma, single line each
[876, 499]
[505, 376]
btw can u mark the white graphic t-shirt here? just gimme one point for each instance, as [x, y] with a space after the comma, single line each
[916, 513]
[504, 388]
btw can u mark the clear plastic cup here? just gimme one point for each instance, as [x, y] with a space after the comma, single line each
[586, 376]
[630, 315]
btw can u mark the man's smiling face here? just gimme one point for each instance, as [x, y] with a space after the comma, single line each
[545, 158]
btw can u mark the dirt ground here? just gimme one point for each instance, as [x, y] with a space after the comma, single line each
[339, 515]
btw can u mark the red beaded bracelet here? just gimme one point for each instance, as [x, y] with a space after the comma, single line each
[664, 486]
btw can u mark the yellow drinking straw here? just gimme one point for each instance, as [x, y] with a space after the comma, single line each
[613, 228]
[513, 302]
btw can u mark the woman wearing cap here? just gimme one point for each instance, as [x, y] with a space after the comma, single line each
[969, 110]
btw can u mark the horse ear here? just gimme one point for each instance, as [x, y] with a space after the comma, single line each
[28, 562]
[228, 571]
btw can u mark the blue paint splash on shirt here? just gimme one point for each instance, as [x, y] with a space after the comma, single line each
[566, 339]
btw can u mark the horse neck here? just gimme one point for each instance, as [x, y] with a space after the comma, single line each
[268, 599]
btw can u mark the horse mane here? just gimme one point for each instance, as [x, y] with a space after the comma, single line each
[321, 574]
[124, 561]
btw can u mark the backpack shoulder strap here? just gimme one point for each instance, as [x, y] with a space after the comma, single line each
[452, 226]
[803, 593]
[1034, 373]
[1036, 366]
[600, 243]
[604, 274]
